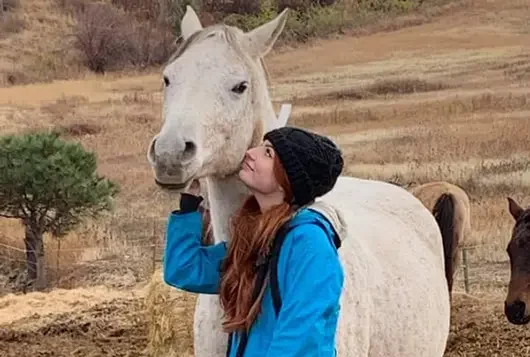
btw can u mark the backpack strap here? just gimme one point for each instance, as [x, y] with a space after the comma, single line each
[275, 253]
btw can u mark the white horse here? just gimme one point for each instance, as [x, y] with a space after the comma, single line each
[395, 300]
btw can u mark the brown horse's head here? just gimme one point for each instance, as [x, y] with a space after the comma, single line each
[517, 304]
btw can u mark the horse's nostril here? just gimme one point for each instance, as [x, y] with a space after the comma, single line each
[189, 146]
[151, 154]
[515, 311]
[189, 150]
[519, 305]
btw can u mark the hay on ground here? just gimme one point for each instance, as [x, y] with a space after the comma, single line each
[169, 313]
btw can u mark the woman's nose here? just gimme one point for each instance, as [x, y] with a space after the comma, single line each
[249, 154]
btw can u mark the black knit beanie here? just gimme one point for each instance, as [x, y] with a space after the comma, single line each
[312, 162]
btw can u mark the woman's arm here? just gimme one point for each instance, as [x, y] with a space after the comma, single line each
[188, 265]
[310, 279]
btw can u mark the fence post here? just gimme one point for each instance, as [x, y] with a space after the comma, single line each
[466, 269]
[154, 246]
[57, 277]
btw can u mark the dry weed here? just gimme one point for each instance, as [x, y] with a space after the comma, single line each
[11, 23]
[165, 306]
[79, 129]
[377, 89]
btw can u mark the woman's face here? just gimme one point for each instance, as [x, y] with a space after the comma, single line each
[257, 170]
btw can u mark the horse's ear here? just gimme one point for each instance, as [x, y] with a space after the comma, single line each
[280, 121]
[257, 134]
[262, 38]
[283, 116]
[190, 23]
[514, 208]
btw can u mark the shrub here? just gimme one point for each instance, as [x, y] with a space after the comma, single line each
[10, 5]
[232, 6]
[100, 37]
[109, 39]
[73, 6]
[11, 23]
[141, 33]
[303, 4]
[389, 5]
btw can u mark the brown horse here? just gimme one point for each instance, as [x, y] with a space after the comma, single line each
[517, 303]
[451, 208]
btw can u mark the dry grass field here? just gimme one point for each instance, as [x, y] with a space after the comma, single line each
[444, 100]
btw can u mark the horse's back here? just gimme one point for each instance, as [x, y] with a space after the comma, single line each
[390, 225]
[380, 205]
[395, 289]
[428, 193]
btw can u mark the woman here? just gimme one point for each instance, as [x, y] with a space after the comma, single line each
[288, 171]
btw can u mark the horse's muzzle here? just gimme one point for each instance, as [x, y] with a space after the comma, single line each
[515, 313]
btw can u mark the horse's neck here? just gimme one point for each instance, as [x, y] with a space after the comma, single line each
[225, 196]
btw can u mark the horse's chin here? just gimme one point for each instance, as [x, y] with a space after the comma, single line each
[519, 321]
[174, 187]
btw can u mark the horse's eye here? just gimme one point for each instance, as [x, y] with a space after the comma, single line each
[166, 81]
[240, 88]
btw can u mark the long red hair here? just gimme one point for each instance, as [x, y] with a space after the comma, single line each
[252, 233]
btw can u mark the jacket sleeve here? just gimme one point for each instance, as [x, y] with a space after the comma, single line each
[188, 265]
[310, 279]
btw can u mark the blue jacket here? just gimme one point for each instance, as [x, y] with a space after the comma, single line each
[310, 280]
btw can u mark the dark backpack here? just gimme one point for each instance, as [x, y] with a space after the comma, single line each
[262, 266]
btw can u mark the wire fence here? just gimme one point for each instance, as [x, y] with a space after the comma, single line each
[148, 251]
[465, 267]
[63, 259]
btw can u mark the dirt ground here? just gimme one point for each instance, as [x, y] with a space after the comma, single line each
[117, 328]
[112, 328]
[481, 330]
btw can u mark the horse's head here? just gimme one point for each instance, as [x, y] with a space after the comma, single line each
[517, 304]
[216, 102]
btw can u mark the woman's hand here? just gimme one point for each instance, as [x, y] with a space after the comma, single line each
[194, 188]
[191, 198]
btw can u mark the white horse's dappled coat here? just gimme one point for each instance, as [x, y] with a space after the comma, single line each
[216, 104]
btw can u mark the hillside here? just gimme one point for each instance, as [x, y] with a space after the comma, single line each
[35, 44]
[40, 39]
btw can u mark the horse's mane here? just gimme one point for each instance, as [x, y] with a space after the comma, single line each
[231, 34]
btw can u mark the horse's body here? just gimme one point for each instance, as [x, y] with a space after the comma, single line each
[450, 206]
[395, 301]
